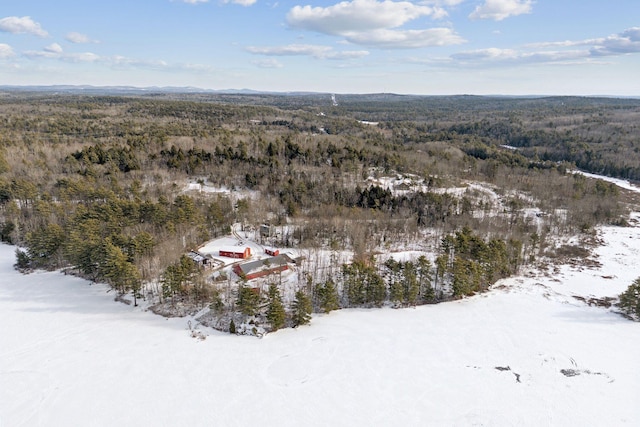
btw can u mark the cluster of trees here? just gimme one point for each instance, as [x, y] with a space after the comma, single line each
[252, 306]
[96, 184]
[466, 264]
[471, 264]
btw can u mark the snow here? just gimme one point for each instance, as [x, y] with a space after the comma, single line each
[526, 353]
[622, 183]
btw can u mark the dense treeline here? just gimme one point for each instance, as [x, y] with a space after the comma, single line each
[99, 185]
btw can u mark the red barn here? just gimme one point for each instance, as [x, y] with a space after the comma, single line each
[272, 251]
[236, 252]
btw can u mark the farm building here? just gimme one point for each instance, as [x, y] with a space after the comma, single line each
[262, 267]
[242, 252]
[272, 251]
[202, 260]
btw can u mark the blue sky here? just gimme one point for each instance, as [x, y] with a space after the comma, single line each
[430, 47]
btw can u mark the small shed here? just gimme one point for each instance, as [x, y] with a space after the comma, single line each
[271, 251]
[241, 252]
[202, 260]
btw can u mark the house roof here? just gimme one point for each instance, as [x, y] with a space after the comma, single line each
[233, 249]
[197, 256]
[262, 264]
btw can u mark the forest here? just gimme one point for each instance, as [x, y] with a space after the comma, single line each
[97, 186]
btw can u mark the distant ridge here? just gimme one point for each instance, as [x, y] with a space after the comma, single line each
[89, 89]
[136, 90]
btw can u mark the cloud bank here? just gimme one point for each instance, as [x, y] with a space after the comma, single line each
[624, 43]
[314, 51]
[375, 23]
[24, 25]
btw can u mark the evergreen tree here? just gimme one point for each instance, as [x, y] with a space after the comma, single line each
[630, 299]
[276, 314]
[301, 309]
[394, 281]
[23, 262]
[425, 276]
[410, 284]
[363, 285]
[43, 245]
[328, 298]
[119, 272]
[248, 300]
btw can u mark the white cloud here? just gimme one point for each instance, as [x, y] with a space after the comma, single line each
[24, 25]
[355, 16]
[403, 39]
[618, 44]
[498, 10]
[195, 1]
[505, 56]
[241, 2]
[79, 38]
[267, 63]
[6, 51]
[55, 51]
[315, 51]
[81, 57]
[624, 43]
[53, 48]
[376, 23]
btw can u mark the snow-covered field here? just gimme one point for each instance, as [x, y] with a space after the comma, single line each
[527, 353]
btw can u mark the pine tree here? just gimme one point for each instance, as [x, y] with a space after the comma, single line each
[395, 278]
[411, 285]
[425, 277]
[301, 309]
[630, 299]
[328, 298]
[248, 300]
[276, 314]
[23, 262]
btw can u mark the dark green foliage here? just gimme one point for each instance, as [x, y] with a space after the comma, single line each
[118, 271]
[43, 246]
[6, 230]
[375, 197]
[23, 262]
[192, 161]
[123, 158]
[425, 277]
[248, 300]
[630, 300]
[474, 264]
[179, 277]
[327, 296]
[232, 327]
[363, 286]
[301, 309]
[409, 282]
[276, 315]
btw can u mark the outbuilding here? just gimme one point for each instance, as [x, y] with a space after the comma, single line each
[262, 267]
[271, 251]
[241, 252]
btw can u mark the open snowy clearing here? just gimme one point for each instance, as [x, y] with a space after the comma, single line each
[526, 353]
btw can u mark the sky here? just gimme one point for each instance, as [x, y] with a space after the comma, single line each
[429, 47]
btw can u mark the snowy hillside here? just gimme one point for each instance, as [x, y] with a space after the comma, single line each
[527, 353]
